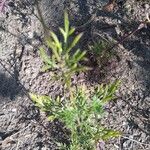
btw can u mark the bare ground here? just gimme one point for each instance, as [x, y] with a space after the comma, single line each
[22, 125]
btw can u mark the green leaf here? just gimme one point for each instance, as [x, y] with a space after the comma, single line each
[97, 107]
[105, 92]
[50, 43]
[76, 53]
[75, 41]
[110, 134]
[54, 49]
[113, 87]
[57, 42]
[62, 31]
[107, 99]
[37, 99]
[79, 57]
[46, 67]
[44, 56]
[51, 118]
[68, 116]
[49, 63]
[75, 70]
[34, 97]
[71, 31]
[41, 101]
[66, 22]
[64, 34]
[68, 81]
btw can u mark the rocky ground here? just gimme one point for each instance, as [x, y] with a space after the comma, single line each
[22, 125]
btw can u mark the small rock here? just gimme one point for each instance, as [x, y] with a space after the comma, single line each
[128, 8]
[146, 6]
[14, 110]
[7, 141]
[30, 35]
[118, 31]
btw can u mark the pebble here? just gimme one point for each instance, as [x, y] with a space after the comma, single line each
[7, 141]
[146, 6]
[127, 7]
[14, 110]
[30, 35]
[118, 31]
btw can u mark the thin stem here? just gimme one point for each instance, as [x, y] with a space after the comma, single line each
[142, 25]
[135, 141]
[45, 28]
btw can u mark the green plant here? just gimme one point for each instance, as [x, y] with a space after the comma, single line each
[61, 59]
[82, 111]
[101, 52]
[81, 114]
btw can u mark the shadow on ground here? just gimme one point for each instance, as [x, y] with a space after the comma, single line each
[138, 106]
[8, 87]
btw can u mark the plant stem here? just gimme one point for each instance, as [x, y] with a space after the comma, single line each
[45, 28]
[142, 25]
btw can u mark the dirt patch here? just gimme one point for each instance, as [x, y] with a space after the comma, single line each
[22, 126]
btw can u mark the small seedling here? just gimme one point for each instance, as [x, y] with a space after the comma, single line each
[61, 59]
[81, 114]
[100, 52]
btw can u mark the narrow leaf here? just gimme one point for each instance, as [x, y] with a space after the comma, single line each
[57, 42]
[71, 31]
[44, 56]
[46, 67]
[64, 34]
[80, 56]
[75, 41]
[66, 22]
[110, 134]
[54, 49]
